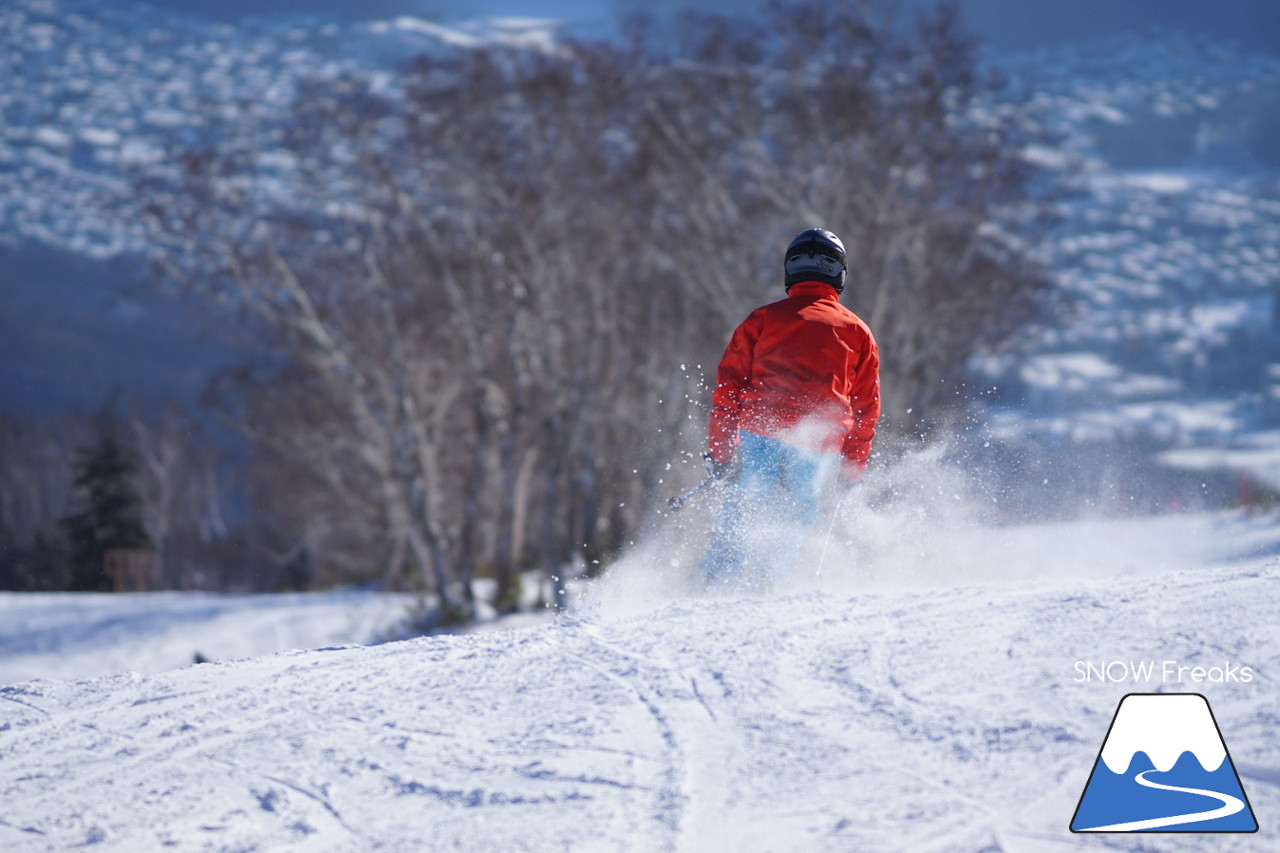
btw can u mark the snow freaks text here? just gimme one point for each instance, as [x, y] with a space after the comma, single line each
[1165, 672]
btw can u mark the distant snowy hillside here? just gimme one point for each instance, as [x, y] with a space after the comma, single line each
[96, 93]
[1167, 246]
[1159, 146]
[920, 717]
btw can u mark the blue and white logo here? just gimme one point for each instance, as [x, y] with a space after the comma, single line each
[1164, 767]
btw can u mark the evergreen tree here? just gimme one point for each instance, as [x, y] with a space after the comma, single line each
[108, 511]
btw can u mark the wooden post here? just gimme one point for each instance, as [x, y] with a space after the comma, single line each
[130, 569]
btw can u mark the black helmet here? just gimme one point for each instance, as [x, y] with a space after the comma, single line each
[815, 254]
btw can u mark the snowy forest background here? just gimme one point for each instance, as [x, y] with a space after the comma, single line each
[293, 302]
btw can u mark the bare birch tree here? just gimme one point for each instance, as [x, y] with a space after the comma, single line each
[486, 305]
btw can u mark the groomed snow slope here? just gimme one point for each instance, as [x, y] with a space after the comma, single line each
[941, 718]
[79, 635]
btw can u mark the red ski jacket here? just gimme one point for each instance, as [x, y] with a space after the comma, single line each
[805, 370]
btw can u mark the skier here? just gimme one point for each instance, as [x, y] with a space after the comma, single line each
[795, 407]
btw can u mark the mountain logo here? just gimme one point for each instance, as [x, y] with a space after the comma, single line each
[1164, 767]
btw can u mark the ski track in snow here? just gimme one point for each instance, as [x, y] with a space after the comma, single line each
[916, 720]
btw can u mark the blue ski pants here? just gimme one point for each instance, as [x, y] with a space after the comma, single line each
[768, 512]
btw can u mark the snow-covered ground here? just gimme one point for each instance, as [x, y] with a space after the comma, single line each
[923, 695]
[82, 635]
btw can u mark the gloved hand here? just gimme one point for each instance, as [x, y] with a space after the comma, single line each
[845, 483]
[717, 470]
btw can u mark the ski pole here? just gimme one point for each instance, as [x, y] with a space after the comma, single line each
[679, 501]
[826, 543]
